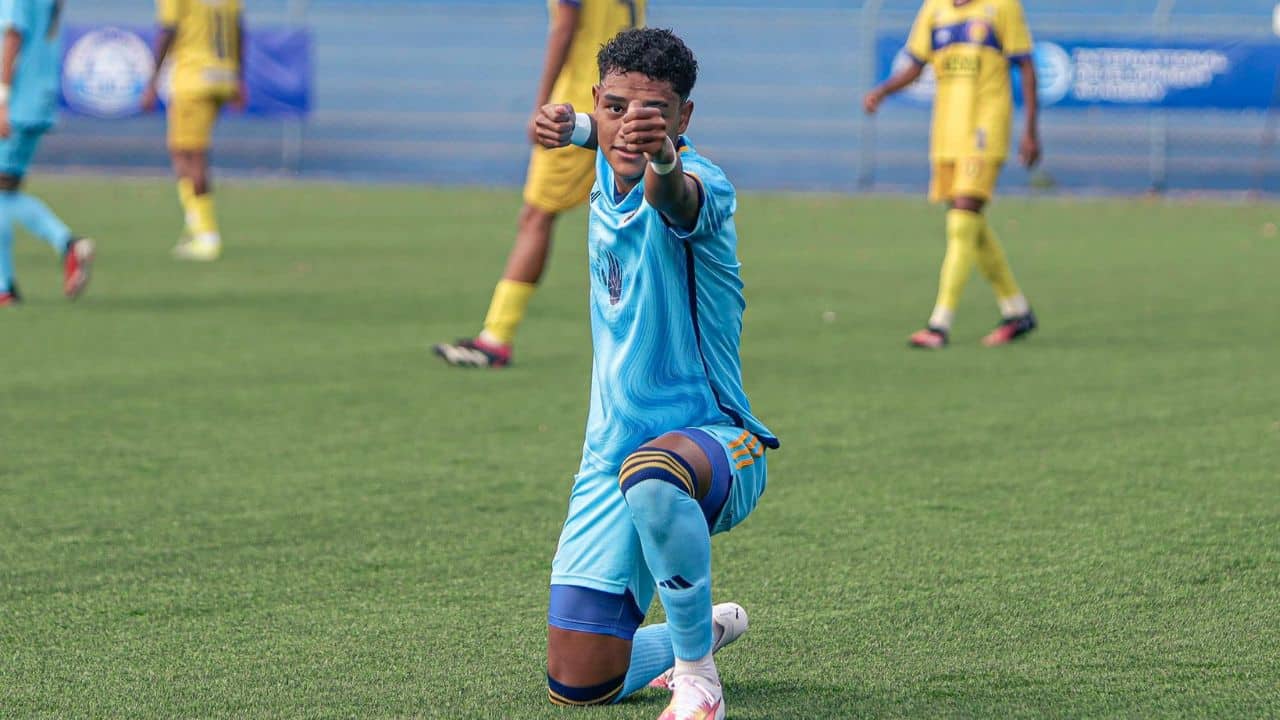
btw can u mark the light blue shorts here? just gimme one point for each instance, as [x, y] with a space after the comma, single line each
[599, 548]
[17, 150]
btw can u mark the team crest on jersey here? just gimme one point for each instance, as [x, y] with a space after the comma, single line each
[106, 72]
[978, 32]
[609, 271]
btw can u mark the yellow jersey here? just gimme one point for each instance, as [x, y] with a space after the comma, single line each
[971, 46]
[598, 22]
[206, 48]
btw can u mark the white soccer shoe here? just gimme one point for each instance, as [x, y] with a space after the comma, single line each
[730, 619]
[694, 698]
[205, 248]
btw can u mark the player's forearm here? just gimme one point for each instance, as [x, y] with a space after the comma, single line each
[1031, 97]
[900, 80]
[670, 191]
[240, 48]
[9, 60]
[559, 40]
[164, 42]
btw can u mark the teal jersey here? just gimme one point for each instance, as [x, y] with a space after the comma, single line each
[666, 317]
[33, 99]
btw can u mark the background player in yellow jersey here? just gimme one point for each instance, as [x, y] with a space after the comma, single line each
[971, 45]
[557, 180]
[204, 40]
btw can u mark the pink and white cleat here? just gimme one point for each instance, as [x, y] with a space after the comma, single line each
[694, 697]
[729, 623]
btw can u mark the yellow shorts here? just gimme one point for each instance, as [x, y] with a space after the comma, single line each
[191, 121]
[974, 177]
[559, 179]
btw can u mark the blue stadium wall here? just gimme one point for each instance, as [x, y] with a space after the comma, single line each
[438, 91]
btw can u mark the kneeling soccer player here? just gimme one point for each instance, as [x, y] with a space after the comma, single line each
[673, 454]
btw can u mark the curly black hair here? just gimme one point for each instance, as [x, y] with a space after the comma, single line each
[653, 52]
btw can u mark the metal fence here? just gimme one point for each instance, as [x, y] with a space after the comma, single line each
[438, 91]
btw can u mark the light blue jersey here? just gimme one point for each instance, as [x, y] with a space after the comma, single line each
[666, 318]
[34, 95]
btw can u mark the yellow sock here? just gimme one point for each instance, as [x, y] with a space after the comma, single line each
[506, 310]
[204, 218]
[995, 267]
[187, 196]
[964, 228]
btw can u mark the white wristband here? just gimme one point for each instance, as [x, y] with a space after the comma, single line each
[581, 130]
[4, 94]
[665, 168]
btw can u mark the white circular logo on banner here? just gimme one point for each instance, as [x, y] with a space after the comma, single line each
[106, 72]
[1054, 71]
[923, 89]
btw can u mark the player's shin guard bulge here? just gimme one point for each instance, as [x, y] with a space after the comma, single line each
[658, 486]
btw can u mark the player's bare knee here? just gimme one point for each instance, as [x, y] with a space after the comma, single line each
[970, 204]
[10, 183]
[672, 458]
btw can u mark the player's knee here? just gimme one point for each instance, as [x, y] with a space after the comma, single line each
[971, 204]
[659, 465]
[570, 696]
[9, 182]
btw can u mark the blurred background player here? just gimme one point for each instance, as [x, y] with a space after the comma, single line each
[205, 38]
[30, 70]
[971, 44]
[557, 181]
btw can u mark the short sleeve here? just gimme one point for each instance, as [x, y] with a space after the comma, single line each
[1015, 34]
[15, 14]
[717, 201]
[920, 41]
[168, 12]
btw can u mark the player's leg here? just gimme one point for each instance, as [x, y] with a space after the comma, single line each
[600, 587]
[36, 217]
[8, 277]
[677, 488]
[191, 122]
[1016, 318]
[963, 227]
[557, 181]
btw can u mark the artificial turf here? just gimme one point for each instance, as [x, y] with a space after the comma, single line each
[247, 490]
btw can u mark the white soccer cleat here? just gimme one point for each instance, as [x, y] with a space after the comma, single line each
[205, 248]
[694, 697]
[730, 621]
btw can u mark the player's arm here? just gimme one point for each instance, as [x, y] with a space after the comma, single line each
[919, 48]
[667, 188]
[8, 64]
[557, 126]
[559, 40]
[899, 81]
[241, 100]
[164, 43]
[15, 21]
[1029, 148]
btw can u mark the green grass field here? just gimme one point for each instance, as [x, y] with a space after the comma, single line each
[246, 490]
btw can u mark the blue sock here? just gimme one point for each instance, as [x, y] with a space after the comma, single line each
[36, 217]
[677, 547]
[6, 246]
[651, 655]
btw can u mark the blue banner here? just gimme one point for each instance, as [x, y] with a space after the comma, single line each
[1134, 72]
[105, 70]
